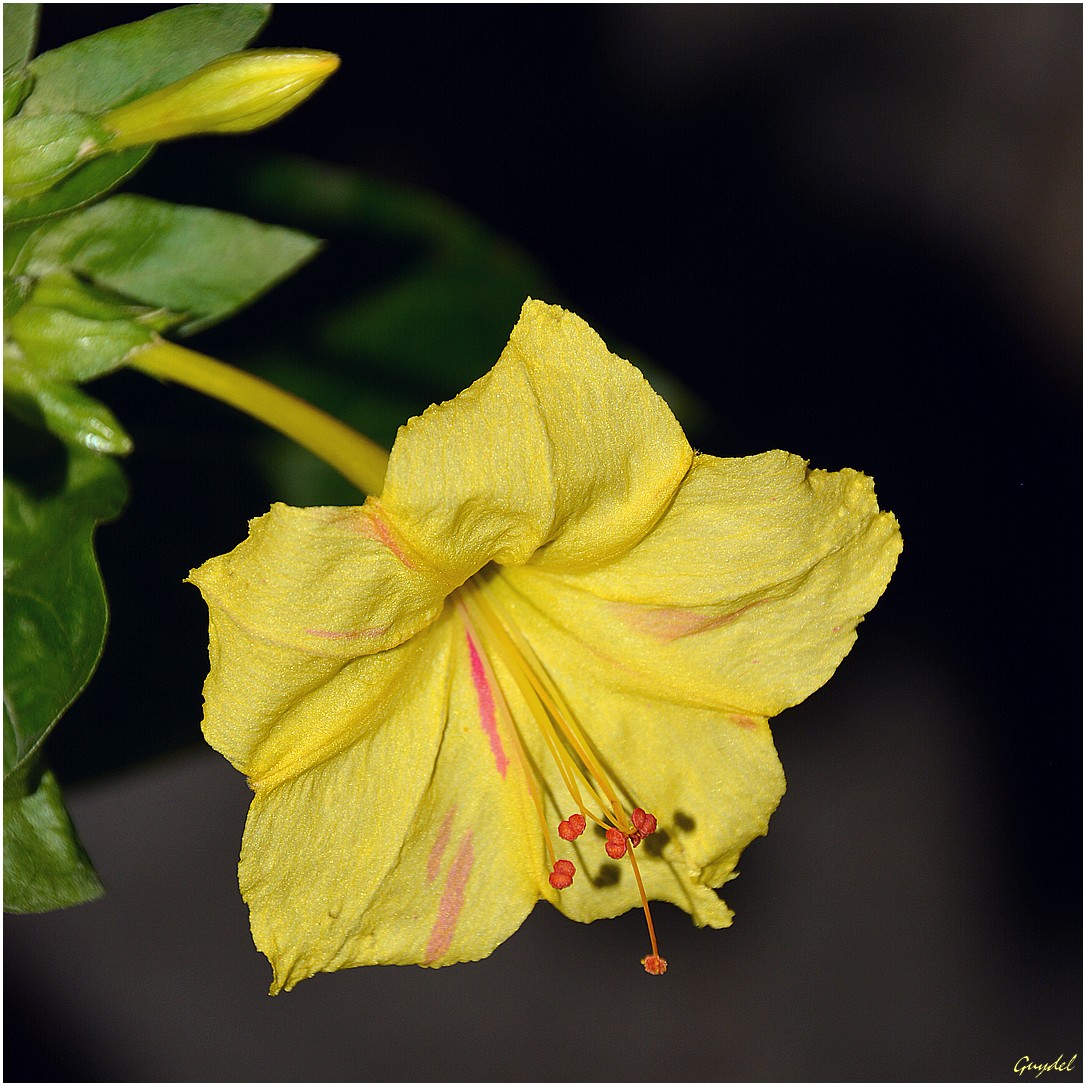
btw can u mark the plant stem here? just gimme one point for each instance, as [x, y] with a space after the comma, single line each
[357, 458]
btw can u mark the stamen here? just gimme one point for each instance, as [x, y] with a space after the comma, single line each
[653, 964]
[569, 829]
[543, 708]
[615, 845]
[551, 700]
[644, 822]
[562, 875]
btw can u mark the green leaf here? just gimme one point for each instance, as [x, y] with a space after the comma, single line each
[45, 866]
[54, 603]
[20, 34]
[194, 261]
[54, 627]
[97, 73]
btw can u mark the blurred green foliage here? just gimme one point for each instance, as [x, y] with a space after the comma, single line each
[88, 279]
[414, 302]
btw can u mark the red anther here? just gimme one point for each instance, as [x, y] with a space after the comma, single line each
[654, 964]
[569, 829]
[615, 845]
[644, 822]
[562, 875]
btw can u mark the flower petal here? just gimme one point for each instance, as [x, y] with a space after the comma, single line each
[291, 608]
[406, 847]
[562, 448]
[746, 594]
[711, 780]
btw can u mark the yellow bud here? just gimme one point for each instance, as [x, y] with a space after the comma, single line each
[235, 93]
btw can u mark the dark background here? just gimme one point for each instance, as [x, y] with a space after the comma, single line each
[855, 233]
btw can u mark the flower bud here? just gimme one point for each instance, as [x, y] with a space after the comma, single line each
[235, 93]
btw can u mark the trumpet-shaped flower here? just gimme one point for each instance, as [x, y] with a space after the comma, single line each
[539, 665]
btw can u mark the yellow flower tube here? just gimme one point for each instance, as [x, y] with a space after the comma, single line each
[355, 457]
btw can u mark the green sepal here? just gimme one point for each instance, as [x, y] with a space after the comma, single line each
[193, 261]
[40, 151]
[45, 865]
[104, 70]
[65, 411]
[89, 182]
[17, 85]
[64, 332]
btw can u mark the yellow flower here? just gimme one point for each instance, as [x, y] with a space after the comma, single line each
[557, 630]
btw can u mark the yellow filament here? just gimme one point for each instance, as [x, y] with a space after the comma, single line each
[507, 719]
[644, 901]
[552, 701]
[567, 722]
[547, 714]
[523, 679]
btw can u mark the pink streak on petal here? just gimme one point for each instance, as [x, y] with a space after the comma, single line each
[486, 707]
[743, 720]
[452, 901]
[373, 527]
[671, 623]
[441, 842]
[367, 523]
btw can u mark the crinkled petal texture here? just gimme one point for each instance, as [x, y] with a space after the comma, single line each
[746, 595]
[408, 846]
[308, 592]
[562, 452]
[711, 779]
[676, 601]
[741, 602]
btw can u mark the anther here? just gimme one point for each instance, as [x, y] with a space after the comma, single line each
[615, 845]
[654, 964]
[644, 822]
[569, 829]
[562, 875]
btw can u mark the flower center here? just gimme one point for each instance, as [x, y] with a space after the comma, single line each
[591, 791]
